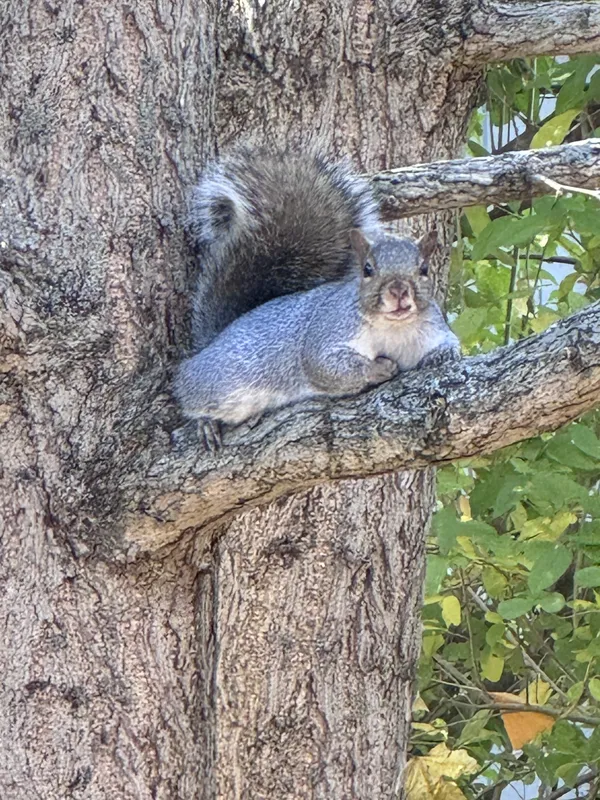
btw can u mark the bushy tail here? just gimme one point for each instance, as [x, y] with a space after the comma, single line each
[269, 224]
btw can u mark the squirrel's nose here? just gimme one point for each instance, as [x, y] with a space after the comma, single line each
[399, 291]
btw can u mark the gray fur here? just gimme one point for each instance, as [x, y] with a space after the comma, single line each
[326, 341]
[269, 224]
[292, 302]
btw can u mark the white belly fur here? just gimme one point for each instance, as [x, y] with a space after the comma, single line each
[405, 344]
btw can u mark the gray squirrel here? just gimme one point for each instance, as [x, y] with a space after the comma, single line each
[292, 301]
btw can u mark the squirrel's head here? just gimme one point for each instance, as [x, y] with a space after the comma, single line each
[394, 283]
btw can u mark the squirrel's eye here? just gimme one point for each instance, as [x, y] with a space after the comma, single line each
[424, 269]
[368, 270]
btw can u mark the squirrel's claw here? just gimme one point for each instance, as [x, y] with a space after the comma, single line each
[209, 432]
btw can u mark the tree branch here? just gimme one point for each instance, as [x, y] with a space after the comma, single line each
[420, 419]
[501, 31]
[425, 188]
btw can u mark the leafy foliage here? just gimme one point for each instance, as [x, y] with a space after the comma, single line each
[513, 582]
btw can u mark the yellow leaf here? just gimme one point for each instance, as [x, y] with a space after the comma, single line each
[451, 610]
[449, 791]
[431, 644]
[478, 218]
[433, 598]
[521, 726]
[520, 306]
[574, 692]
[537, 693]
[441, 761]
[581, 605]
[420, 704]
[519, 515]
[543, 320]
[430, 777]
[418, 784]
[427, 727]
[561, 522]
[466, 545]
[465, 508]
[534, 528]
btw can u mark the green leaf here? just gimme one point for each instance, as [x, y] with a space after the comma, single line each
[517, 607]
[572, 93]
[447, 527]
[495, 634]
[477, 149]
[589, 534]
[478, 217]
[594, 687]
[585, 439]
[555, 130]
[472, 730]
[570, 772]
[437, 567]
[588, 577]
[552, 603]
[492, 666]
[551, 491]
[575, 692]
[567, 738]
[551, 564]
[494, 582]
[468, 324]
[563, 450]
[508, 231]
[493, 282]
[593, 746]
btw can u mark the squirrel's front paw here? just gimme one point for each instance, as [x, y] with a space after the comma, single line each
[440, 356]
[382, 369]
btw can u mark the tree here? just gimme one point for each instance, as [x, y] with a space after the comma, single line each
[181, 626]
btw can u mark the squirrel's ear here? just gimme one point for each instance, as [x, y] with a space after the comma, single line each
[427, 244]
[360, 245]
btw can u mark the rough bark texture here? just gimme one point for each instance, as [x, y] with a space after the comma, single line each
[422, 188]
[129, 679]
[108, 109]
[318, 632]
[500, 31]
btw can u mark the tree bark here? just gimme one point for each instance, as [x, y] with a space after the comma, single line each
[317, 623]
[423, 188]
[499, 31]
[109, 114]
[273, 659]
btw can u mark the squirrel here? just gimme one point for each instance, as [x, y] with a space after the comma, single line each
[293, 301]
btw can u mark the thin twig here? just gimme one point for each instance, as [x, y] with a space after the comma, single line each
[562, 188]
[509, 303]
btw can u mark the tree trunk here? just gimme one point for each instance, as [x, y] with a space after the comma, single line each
[319, 596]
[315, 610]
[110, 114]
[273, 658]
